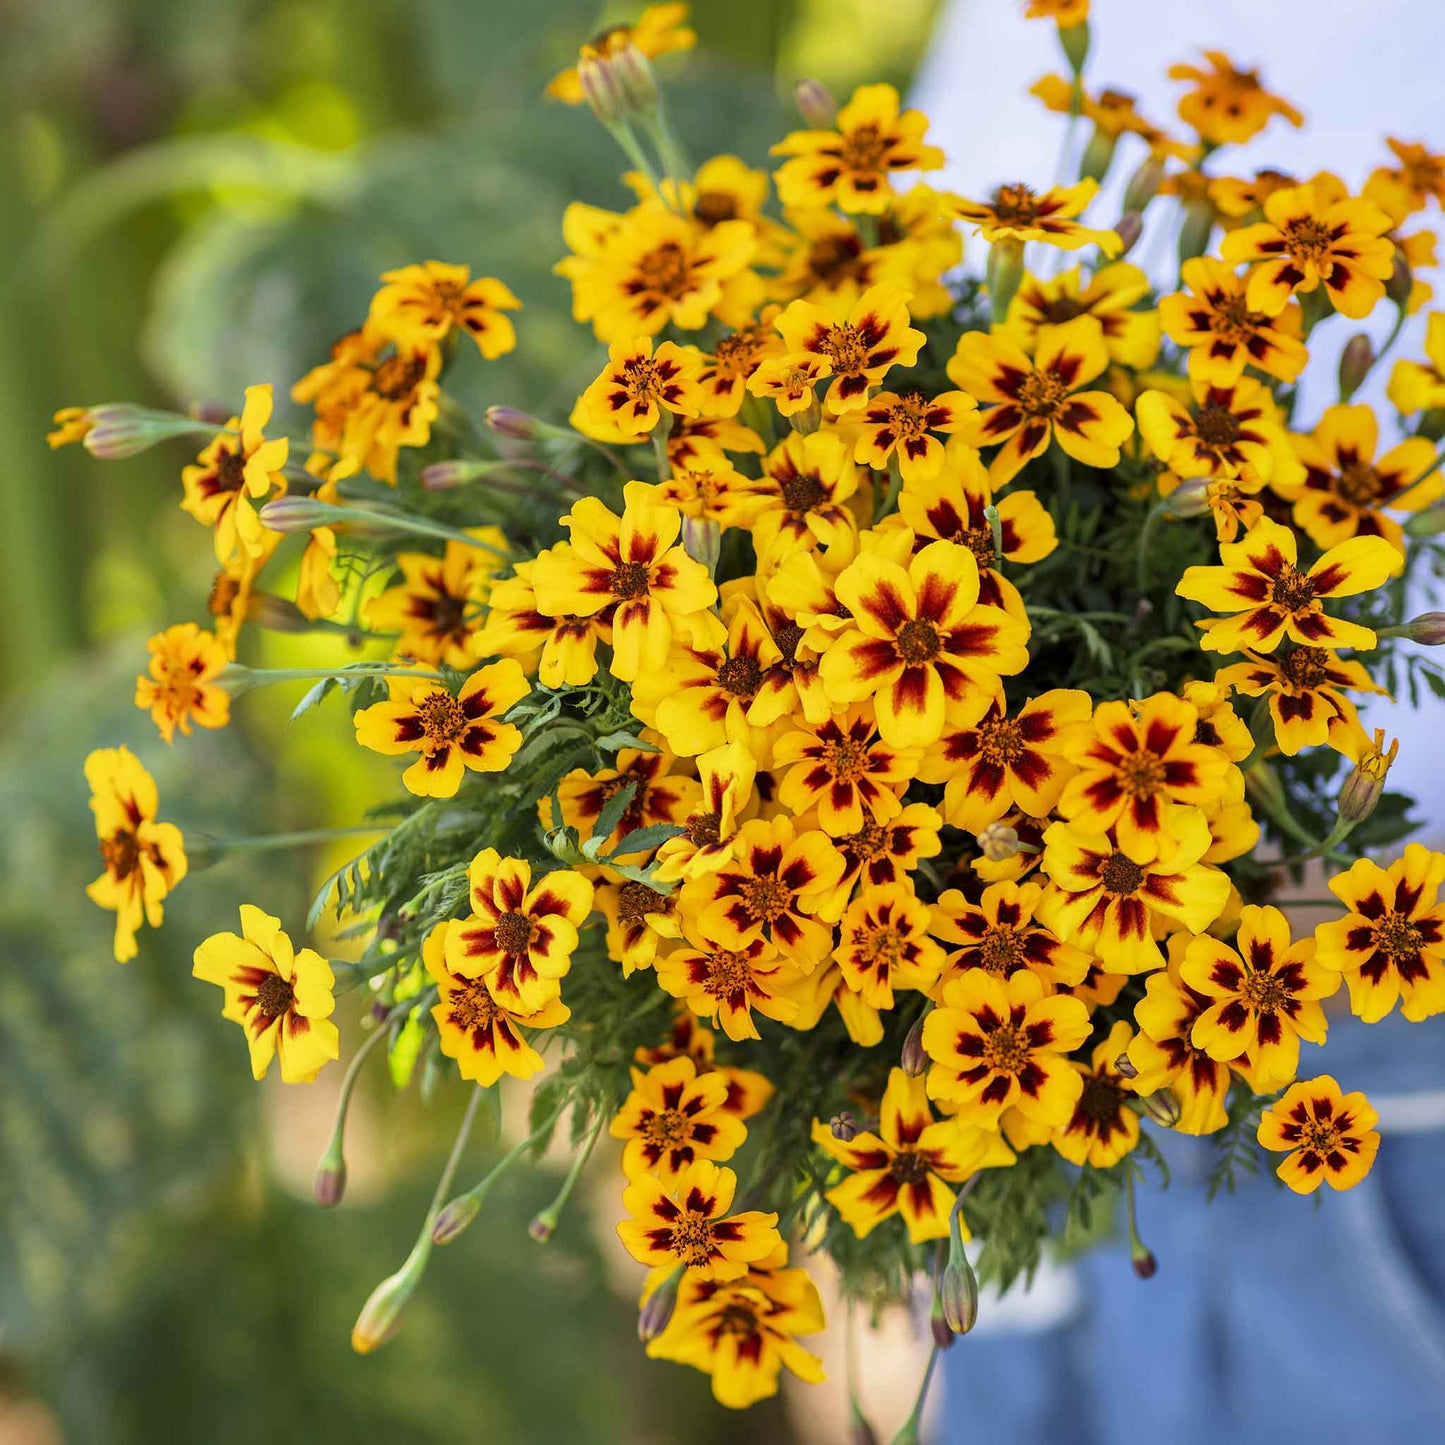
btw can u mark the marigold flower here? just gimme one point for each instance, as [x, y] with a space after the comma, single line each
[856, 351]
[1131, 337]
[1109, 902]
[851, 167]
[281, 996]
[1419, 385]
[424, 303]
[235, 472]
[1308, 239]
[180, 689]
[660, 795]
[686, 1222]
[144, 860]
[1263, 994]
[1114, 113]
[901, 425]
[1271, 599]
[1019, 213]
[725, 776]
[455, 734]
[1103, 1128]
[842, 769]
[233, 590]
[883, 944]
[630, 569]
[1223, 335]
[1000, 1044]
[659, 30]
[906, 1167]
[726, 984]
[803, 497]
[1001, 935]
[1032, 401]
[520, 935]
[639, 919]
[483, 1035]
[741, 1332]
[563, 649]
[748, 1091]
[636, 386]
[1305, 690]
[1330, 1137]
[920, 641]
[673, 1117]
[1064, 13]
[1228, 105]
[881, 853]
[1421, 172]
[789, 382]
[1390, 946]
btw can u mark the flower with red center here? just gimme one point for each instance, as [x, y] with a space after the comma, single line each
[852, 167]
[856, 351]
[1109, 903]
[782, 884]
[629, 568]
[1137, 764]
[842, 769]
[1031, 401]
[454, 735]
[725, 777]
[880, 853]
[1214, 322]
[920, 642]
[1227, 105]
[1001, 935]
[685, 1223]
[1390, 945]
[1019, 213]
[883, 945]
[1111, 296]
[144, 860]
[726, 984]
[1103, 1128]
[391, 404]
[659, 794]
[1309, 238]
[1421, 172]
[424, 303]
[1260, 583]
[673, 1117]
[993, 763]
[802, 498]
[723, 379]
[562, 650]
[901, 425]
[636, 387]
[520, 936]
[788, 382]
[1305, 687]
[659, 30]
[180, 688]
[999, 1044]
[639, 919]
[1264, 996]
[1420, 385]
[481, 1033]
[907, 1166]
[281, 997]
[748, 1092]
[1327, 1137]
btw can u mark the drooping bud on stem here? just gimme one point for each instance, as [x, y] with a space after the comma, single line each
[1162, 1106]
[815, 104]
[1143, 185]
[913, 1061]
[329, 1183]
[1129, 228]
[455, 1218]
[120, 430]
[602, 87]
[1401, 282]
[1428, 629]
[276, 614]
[1195, 232]
[1074, 40]
[1356, 359]
[380, 1316]
[657, 1308]
[1140, 1255]
[509, 421]
[1361, 791]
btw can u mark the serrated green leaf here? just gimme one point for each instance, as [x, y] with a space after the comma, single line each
[313, 697]
[609, 818]
[614, 742]
[644, 840]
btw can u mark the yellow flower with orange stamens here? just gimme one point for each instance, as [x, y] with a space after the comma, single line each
[884, 944]
[673, 1117]
[1227, 105]
[1305, 687]
[726, 984]
[1001, 935]
[425, 303]
[180, 687]
[659, 30]
[1111, 297]
[1329, 1137]
[1019, 213]
[636, 386]
[900, 425]
[1103, 1128]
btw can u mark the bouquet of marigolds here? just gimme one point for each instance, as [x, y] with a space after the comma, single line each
[857, 760]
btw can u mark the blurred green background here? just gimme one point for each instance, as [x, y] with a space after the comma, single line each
[199, 195]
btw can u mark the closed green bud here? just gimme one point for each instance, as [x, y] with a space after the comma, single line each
[656, 1311]
[121, 430]
[1074, 39]
[958, 1294]
[330, 1182]
[702, 541]
[1005, 271]
[1429, 523]
[1143, 185]
[1428, 629]
[1361, 792]
[1162, 1106]
[815, 104]
[1196, 230]
[1356, 359]
[455, 1218]
[380, 1316]
[913, 1061]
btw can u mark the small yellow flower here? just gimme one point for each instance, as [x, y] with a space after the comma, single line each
[180, 689]
[659, 30]
[636, 386]
[425, 303]
[1330, 1137]
[1228, 105]
[673, 1117]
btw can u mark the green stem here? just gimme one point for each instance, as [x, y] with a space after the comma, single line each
[1141, 575]
[545, 1224]
[480, 1190]
[621, 131]
[265, 842]
[908, 1435]
[239, 679]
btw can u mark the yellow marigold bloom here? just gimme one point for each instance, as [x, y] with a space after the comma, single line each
[1136, 765]
[179, 689]
[725, 778]
[1114, 113]
[804, 494]
[1420, 385]
[999, 1044]
[840, 768]
[686, 1222]
[235, 472]
[1329, 1137]
[1421, 172]
[1064, 13]
[883, 944]
[1346, 491]
[788, 382]
[1305, 687]
[907, 1166]
[881, 853]
[1222, 334]
[629, 569]
[673, 1117]
[723, 379]
[454, 735]
[639, 920]
[72, 424]
[991, 763]
[483, 1035]
[1390, 946]
[857, 351]
[1308, 239]
[741, 1332]
[1019, 213]
[1228, 105]
[318, 594]
[659, 30]
[1264, 996]
[424, 303]
[144, 860]
[921, 641]
[710, 492]
[1131, 336]
[1236, 197]
[1032, 401]
[851, 167]
[782, 884]
[1110, 903]
[1271, 599]
[520, 935]
[748, 1092]
[636, 386]
[1103, 1128]
[900, 425]
[562, 649]
[659, 795]
[232, 589]
[281, 996]
[1000, 935]
[725, 985]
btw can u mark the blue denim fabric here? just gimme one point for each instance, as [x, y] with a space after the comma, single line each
[1272, 1319]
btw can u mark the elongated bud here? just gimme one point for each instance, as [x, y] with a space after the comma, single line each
[276, 614]
[1128, 228]
[1005, 271]
[1162, 1106]
[455, 1218]
[702, 541]
[635, 78]
[509, 421]
[1098, 156]
[1428, 629]
[807, 419]
[1124, 1067]
[958, 1294]
[1356, 360]
[1195, 232]
[1401, 282]
[1143, 184]
[602, 88]
[380, 1316]
[844, 1126]
[1362, 789]
[998, 842]
[330, 1182]
[1189, 499]
[294, 515]
[121, 430]
[448, 476]
[815, 104]
[913, 1061]
[656, 1311]
[1075, 42]
[1432, 423]
[1429, 523]
[938, 1326]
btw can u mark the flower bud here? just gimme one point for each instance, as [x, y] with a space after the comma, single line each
[1162, 1106]
[330, 1182]
[1428, 629]
[510, 421]
[635, 78]
[998, 842]
[121, 430]
[543, 1226]
[1128, 228]
[1075, 42]
[702, 541]
[844, 1126]
[1005, 271]
[1401, 282]
[1143, 185]
[1189, 499]
[602, 87]
[1124, 1067]
[1431, 423]
[815, 104]
[913, 1061]
[943, 1337]
[1362, 789]
[455, 1218]
[1142, 1258]
[1098, 156]
[657, 1309]
[809, 418]
[1196, 230]
[296, 514]
[276, 614]
[380, 1316]
[958, 1294]
[210, 412]
[446, 476]
[1429, 523]
[1356, 360]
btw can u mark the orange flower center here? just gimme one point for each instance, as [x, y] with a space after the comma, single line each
[908, 416]
[1397, 937]
[513, 933]
[1001, 950]
[692, 1240]
[712, 207]
[1006, 1050]
[231, 472]
[274, 996]
[728, 973]
[1233, 320]
[1308, 239]
[1000, 742]
[908, 1167]
[121, 853]
[868, 843]
[864, 149]
[1292, 590]
[443, 720]
[224, 591]
[472, 1006]
[1140, 774]
[1305, 667]
[636, 900]
[397, 376]
[740, 676]
[881, 948]
[1216, 425]
[845, 348]
[1358, 483]
[1121, 875]
[1042, 393]
[765, 899]
[666, 1129]
[918, 642]
[979, 541]
[665, 269]
[737, 354]
[803, 492]
[704, 830]
[846, 759]
[1319, 1137]
[629, 580]
[448, 298]
[1265, 992]
[1015, 205]
[640, 379]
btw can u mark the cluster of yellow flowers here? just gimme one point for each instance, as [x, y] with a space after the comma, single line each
[857, 798]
